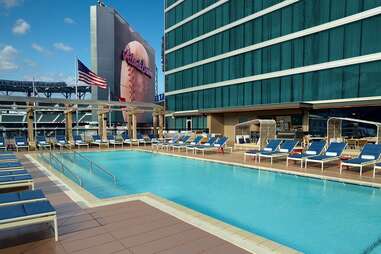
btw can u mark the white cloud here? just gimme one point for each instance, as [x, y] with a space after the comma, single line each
[21, 27]
[30, 62]
[69, 21]
[7, 58]
[62, 46]
[11, 3]
[38, 48]
[52, 77]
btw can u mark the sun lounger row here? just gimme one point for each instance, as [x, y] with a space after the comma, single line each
[23, 208]
[316, 153]
[194, 145]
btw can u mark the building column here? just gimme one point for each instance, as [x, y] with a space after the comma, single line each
[129, 124]
[161, 124]
[306, 121]
[30, 117]
[69, 123]
[154, 123]
[134, 124]
[102, 123]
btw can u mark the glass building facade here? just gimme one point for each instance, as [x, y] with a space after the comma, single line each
[221, 55]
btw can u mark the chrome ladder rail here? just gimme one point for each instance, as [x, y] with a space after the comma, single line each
[95, 165]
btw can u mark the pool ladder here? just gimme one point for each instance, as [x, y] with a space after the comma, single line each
[94, 165]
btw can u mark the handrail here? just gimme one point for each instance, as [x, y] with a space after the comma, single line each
[64, 168]
[92, 164]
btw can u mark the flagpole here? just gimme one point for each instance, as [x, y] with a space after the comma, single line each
[109, 99]
[76, 91]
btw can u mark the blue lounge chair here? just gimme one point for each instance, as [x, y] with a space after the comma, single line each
[78, 141]
[15, 198]
[6, 153]
[2, 144]
[333, 153]
[376, 167]
[203, 147]
[165, 144]
[8, 158]
[272, 145]
[126, 139]
[61, 141]
[97, 140]
[369, 155]
[112, 140]
[13, 172]
[12, 216]
[16, 181]
[218, 145]
[42, 143]
[21, 142]
[141, 140]
[11, 165]
[169, 144]
[196, 142]
[153, 138]
[284, 150]
[315, 148]
[183, 142]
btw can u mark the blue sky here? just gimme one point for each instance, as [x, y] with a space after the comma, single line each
[41, 38]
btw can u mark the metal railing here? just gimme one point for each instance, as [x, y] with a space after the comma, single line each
[61, 167]
[94, 165]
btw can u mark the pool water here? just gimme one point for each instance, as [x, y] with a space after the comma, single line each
[309, 215]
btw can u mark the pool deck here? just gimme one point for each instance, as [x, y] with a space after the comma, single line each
[126, 228]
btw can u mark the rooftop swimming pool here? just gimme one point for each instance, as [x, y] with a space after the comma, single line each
[309, 215]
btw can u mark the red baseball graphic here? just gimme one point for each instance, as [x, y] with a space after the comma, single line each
[135, 74]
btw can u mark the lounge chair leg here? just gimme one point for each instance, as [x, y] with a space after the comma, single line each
[301, 163]
[322, 167]
[287, 162]
[360, 170]
[55, 228]
[305, 164]
[341, 168]
[271, 160]
[374, 172]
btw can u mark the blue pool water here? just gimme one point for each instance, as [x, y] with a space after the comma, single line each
[310, 215]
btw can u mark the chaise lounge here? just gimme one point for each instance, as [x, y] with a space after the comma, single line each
[315, 148]
[333, 153]
[369, 155]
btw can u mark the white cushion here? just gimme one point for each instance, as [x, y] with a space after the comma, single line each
[330, 154]
[43, 142]
[207, 144]
[217, 145]
[20, 143]
[62, 142]
[311, 152]
[282, 150]
[181, 142]
[267, 149]
[98, 140]
[1, 143]
[368, 157]
[193, 143]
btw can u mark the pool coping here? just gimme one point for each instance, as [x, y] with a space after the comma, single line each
[241, 238]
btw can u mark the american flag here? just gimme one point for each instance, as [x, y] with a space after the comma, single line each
[89, 77]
